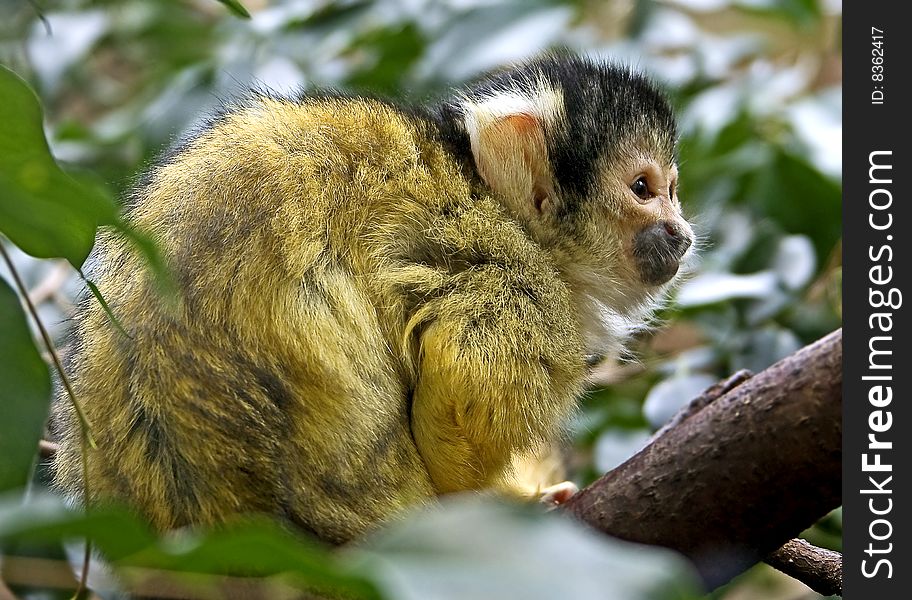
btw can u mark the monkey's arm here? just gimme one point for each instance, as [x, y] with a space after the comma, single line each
[500, 365]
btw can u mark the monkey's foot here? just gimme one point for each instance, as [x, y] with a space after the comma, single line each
[558, 493]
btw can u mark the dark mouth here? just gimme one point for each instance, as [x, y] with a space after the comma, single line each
[657, 251]
[657, 273]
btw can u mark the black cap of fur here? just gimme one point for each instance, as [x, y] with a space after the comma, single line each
[606, 107]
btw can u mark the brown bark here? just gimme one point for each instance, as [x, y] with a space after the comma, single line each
[817, 568]
[730, 483]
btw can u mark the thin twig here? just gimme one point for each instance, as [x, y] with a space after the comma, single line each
[45, 336]
[85, 433]
[42, 17]
[57, 574]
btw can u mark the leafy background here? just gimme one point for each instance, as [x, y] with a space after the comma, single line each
[757, 84]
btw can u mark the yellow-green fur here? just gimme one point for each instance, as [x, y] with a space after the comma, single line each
[360, 326]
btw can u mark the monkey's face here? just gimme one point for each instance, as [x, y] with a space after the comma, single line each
[655, 237]
[630, 230]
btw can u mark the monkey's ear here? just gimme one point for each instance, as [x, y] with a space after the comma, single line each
[507, 136]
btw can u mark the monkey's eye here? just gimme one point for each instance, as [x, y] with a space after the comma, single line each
[641, 189]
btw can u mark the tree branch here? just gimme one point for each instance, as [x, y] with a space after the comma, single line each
[729, 483]
[817, 568]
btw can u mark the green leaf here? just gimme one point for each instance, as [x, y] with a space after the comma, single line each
[710, 288]
[618, 406]
[804, 14]
[42, 209]
[256, 547]
[763, 347]
[477, 548]
[332, 16]
[394, 51]
[801, 199]
[236, 7]
[116, 533]
[25, 393]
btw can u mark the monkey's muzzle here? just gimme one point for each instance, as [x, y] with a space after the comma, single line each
[657, 250]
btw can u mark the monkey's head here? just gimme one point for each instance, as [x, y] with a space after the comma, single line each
[583, 153]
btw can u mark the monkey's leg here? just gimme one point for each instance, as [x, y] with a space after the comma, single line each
[500, 365]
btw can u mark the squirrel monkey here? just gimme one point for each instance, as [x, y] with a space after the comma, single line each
[377, 304]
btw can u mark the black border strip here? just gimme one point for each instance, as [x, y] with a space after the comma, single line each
[876, 271]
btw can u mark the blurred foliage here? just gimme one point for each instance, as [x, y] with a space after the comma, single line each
[757, 86]
[24, 394]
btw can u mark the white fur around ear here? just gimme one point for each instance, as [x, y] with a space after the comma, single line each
[506, 132]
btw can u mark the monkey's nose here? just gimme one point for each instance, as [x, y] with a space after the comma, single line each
[675, 238]
[657, 250]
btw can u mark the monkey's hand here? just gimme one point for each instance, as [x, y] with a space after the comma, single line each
[532, 478]
[557, 494]
[500, 365]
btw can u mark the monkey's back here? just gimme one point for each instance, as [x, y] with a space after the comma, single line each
[278, 379]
